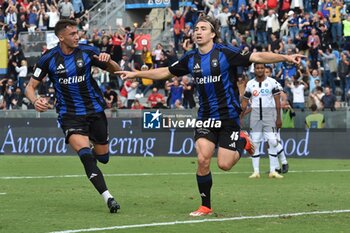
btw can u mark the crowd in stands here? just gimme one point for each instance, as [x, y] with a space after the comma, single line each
[319, 29]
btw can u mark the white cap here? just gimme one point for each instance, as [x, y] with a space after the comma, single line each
[290, 13]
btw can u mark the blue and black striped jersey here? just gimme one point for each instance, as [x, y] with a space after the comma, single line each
[216, 79]
[77, 92]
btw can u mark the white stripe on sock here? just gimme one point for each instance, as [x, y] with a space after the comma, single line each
[106, 195]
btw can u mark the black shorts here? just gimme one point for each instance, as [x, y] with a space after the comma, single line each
[226, 137]
[94, 126]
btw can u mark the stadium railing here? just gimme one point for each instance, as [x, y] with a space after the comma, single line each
[32, 43]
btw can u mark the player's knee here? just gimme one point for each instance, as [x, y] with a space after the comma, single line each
[203, 162]
[103, 158]
[225, 166]
[272, 143]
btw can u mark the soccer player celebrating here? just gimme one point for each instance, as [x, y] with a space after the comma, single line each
[80, 104]
[265, 117]
[213, 67]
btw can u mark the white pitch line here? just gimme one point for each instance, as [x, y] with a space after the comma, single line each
[155, 174]
[2, 193]
[204, 220]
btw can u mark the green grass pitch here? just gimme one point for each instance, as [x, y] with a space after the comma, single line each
[51, 194]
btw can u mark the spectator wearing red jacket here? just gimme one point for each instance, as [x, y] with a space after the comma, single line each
[137, 105]
[155, 97]
[178, 26]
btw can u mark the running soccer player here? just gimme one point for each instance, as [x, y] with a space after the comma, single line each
[265, 117]
[280, 151]
[213, 67]
[80, 104]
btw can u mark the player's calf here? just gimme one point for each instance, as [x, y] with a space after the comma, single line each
[93, 173]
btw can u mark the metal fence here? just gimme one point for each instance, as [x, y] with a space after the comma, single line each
[32, 43]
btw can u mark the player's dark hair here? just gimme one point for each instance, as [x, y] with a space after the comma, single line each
[255, 64]
[319, 88]
[269, 68]
[313, 107]
[62, 24]
[214, 25]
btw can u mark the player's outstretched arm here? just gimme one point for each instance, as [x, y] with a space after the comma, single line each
[154, 74]
[267, 58]
[112, 66]
[40, 103]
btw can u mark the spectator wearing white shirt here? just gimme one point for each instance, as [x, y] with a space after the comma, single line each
[297, 88]
[316, 97]
[22, 73]
[131, 90]
[11, 15]
[224, 27]
[157, 53]
[272, 24]
[54, 16]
